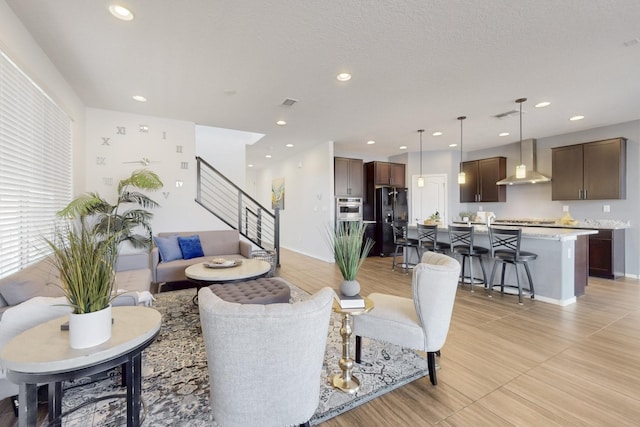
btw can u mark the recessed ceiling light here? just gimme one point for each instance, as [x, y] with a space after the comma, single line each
[542, 104]
[343, 77]
[453, 145]
[289, 145]
[268, 156]
[371, 142]
[437, 134]
[503, 134]
[139, 98]
[576, 118]
[403, 147]
[121, 12]
[249, 165]
[281, 123]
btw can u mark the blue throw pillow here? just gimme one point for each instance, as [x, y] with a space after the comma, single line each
[168, 247]
[191, 247]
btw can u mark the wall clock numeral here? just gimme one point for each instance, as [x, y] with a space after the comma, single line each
[179, 183]
[121, 130]
[144, 128]
[178, 148]
[106, 141]
[101, 161]
[164, 135]
[107, 180]
[166, 194]
[184, 165]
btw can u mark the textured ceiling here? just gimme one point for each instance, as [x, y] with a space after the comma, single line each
[415, 64]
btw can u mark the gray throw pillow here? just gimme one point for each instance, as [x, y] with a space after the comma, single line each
[168, 247]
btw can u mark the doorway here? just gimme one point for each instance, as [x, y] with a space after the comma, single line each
[427, 200]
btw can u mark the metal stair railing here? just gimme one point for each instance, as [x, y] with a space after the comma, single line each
[228, 202]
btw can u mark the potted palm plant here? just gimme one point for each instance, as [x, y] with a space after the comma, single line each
[114, 220]
[350, 249]
[86, 265]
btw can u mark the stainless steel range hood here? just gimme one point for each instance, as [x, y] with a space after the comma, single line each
[528, 150]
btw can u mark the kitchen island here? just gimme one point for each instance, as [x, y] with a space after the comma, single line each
[561, 271]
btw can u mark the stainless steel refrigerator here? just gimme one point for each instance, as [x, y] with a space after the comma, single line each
[389, 204]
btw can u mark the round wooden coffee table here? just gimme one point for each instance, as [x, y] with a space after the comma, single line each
[205, 276]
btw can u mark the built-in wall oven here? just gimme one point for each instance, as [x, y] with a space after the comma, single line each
[348, 209]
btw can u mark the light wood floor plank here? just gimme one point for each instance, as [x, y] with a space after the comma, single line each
[581, 402]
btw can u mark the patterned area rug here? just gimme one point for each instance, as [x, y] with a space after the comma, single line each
[175, 377]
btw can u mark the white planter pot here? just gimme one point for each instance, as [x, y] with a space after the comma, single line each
[89, 329]
[350, 288]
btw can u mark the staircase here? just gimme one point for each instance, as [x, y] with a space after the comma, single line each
[222, 198]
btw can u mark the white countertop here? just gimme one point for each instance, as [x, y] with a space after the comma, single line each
[543, 232]
[593, 224]
[539, 232]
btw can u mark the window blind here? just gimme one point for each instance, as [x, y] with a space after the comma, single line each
[35, 168]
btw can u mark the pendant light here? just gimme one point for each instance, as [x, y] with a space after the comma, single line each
[521, 169]
[462, 178]
[420, 178]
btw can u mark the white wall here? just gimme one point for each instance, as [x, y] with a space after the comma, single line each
[115, 139]
[228, 145]
[309, 203]
[18, 44]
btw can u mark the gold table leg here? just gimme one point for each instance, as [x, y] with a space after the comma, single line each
[346, 381]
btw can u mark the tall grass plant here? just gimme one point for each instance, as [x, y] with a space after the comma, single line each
[350, 247]
[86, 264]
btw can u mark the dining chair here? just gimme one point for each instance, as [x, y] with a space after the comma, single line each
[461, 241]
[428, 239]
[421, 322]
[403, 243]
[505, 249]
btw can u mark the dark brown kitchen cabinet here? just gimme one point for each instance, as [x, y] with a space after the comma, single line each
[383, 173]
[590, 171]
[606, 254]
[481, 177]
[348, 176]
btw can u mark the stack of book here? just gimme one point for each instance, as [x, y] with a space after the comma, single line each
[355, 301]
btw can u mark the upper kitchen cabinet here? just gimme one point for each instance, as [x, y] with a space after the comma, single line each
[383, 173]
[591, 171]
[481, 177]
[348, 177]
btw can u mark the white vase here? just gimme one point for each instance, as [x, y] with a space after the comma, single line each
[89, 329]
[350, 288]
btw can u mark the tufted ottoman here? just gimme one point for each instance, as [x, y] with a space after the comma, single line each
[266, 290]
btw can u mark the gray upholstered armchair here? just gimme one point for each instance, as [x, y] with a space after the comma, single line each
[420, 323]
[265, 361]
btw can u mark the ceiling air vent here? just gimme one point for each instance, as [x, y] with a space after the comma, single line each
[506, 115]
[289, 102]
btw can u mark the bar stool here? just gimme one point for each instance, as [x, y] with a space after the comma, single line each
[461, 241]
[404, 243]
[428, 239]
[505, 249]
